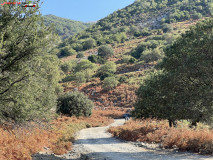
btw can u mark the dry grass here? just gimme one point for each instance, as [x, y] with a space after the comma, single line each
[183, 138]
[20, 144]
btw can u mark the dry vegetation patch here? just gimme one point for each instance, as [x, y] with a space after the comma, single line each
[198, 140]
[57, 135]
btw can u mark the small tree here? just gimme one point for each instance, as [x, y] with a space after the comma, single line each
[80, 55]
[96, 59]
[151, 55]
[67, 51]
[68, 66]
[79, 78]
[107, 69]
[83, 65]
[75, 103]
[90, 43]
[109, 83]
[105, 51]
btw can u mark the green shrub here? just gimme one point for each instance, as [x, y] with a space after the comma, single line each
[109, 83]
[96, 59]
[66, 51]
[85, 64]
[68, 66]
[105, 51]
[132, 60]
[138, 51]
[75, 104]
[80, 55]
[167, 28]
[122, 79]
[93, 58]
[125, 59]
[90, 43]
[77, 46]
[79, 77]
[106, 69]
[151, 55]
[105, 75]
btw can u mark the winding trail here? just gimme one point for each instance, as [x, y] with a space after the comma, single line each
[100, 145]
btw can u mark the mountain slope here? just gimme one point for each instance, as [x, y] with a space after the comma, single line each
[142, 16]
[65, 27]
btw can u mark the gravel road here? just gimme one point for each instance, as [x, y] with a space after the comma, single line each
[97, 144]
[102, 145]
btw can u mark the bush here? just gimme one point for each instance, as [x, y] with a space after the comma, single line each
[105, 51]
[75, 103]
[109, 83]
[122, 79]
[83, 65]
[90, 43]
[138, 51]
[80, 55]
[167, 28]
[125, 59]
[77, 46]
[105, 75]
[96, 59]
[132, 60]
[151, 55]
[68, 66]
[106, 69]
[67, 51]
[79, 78]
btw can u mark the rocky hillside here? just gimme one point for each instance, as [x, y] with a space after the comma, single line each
[140, 17]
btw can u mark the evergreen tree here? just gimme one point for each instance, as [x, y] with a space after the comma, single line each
[184, 88]
[28, 74]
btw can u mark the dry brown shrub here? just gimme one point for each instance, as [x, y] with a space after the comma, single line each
[21, 143]
[183, 138]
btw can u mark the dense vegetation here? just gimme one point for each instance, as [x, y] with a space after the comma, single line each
[75, 104]
[29, 76]
[182, 89]
[140, 19]
[65, 27]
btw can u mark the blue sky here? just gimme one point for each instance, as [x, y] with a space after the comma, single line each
[83, 10]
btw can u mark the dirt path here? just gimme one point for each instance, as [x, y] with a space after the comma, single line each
[101, 145]
[97, 144]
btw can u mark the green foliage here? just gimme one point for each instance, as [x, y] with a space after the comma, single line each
[80, 55]
[138, 51]
[83, 65]
[66, 51]
[75, 104]
[96, 59]
[29, 75]
[106, 70]
[68, 66]
[151, 55]
[88, 44]
[79, 77]
[105, 51]
[166, 28]
[77, 46]
[132, 60]
[65, 27]
[127, 59]
[134, 20]
[123, 79]
[183, 89]
[109, 83]
[82, 72]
